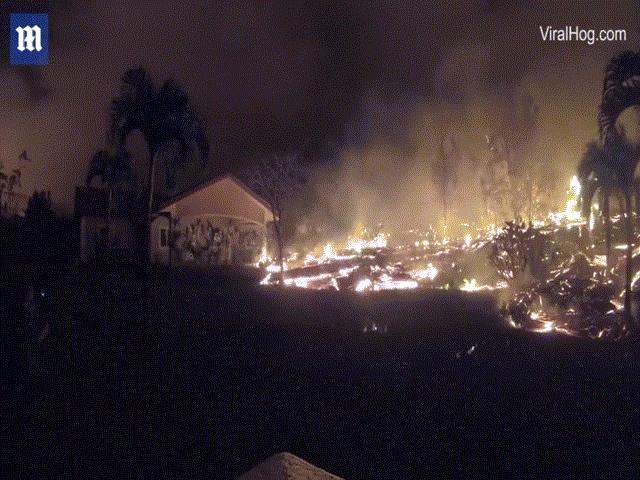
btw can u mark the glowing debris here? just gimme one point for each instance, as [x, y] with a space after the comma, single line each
[429, 273]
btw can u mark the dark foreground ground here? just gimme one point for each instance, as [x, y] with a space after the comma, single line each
[234, 373]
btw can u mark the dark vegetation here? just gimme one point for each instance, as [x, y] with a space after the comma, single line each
[392, 385]
[234, 373]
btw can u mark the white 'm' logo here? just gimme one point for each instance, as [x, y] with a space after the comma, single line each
[29, 38]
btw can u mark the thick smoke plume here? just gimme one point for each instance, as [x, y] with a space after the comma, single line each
[340, 83]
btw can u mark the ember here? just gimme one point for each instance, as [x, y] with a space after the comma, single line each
[553, 287]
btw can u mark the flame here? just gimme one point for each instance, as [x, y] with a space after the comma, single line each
[575, 187]
[359, 244]
[473, 286]
[430, 273]
[364, 285]
[303, 282]
[264, 258]
[546, 326]
[275, 268]
[328, 252]
[571, 215]
[470, 285]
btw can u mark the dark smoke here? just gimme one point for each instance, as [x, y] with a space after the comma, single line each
[338, 82]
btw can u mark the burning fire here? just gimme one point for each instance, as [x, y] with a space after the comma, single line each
[359, 244]
[384, 282]
[473, 286]
[571, 215]
[367, 262]
[429, 273]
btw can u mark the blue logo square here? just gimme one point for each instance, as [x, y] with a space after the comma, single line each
[29, 39]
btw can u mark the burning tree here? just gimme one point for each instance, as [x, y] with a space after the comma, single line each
[495, 182]
[538, 196]
[444, 171]
[510, 178]
[277, 179]
[517, 249]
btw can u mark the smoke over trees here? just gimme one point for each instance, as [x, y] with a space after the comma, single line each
[441, 163]
[443, 172]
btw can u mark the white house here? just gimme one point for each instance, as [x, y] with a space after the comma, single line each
[220, 222]
[101, 213]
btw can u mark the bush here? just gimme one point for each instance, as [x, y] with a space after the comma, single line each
[516, 250]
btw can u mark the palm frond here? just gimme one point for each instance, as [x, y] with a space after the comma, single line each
[621, 90]
[165, 117]
[621, 68]
[178, 134]
[112, 168]
[593, 161]
[172, 98]
[134, 107]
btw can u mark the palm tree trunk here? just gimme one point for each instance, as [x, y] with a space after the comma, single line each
[276, 227]
[636, 192]
[109, 216]
[607, 230]
[629, 266]
[585, 233]
[151, 183]
[147, 246]
[170, 241]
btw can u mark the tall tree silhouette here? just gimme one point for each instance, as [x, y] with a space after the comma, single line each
[113, 169]
[277, 180]
[166, 119]
[621, 90]
[599, 180]
[443, 170]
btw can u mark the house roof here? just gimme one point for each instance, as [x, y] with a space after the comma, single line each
[213, 181]
[286, 466]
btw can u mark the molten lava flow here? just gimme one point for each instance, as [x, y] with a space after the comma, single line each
[429, 273]
[360, 244]
[576, 291]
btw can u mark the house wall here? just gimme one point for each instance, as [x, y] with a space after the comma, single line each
[220, 224]
[208, 239]
[121, 237]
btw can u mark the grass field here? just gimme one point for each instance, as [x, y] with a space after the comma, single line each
[233, 373]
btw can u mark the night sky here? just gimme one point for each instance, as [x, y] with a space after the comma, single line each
[325, 79]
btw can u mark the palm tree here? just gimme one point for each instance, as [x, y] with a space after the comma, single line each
[171, 128]
[636, 187]
[621, 90]
[623, 157]
[113, 169]
[598, 180]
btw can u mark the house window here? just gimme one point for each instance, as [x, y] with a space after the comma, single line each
[164, 237]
